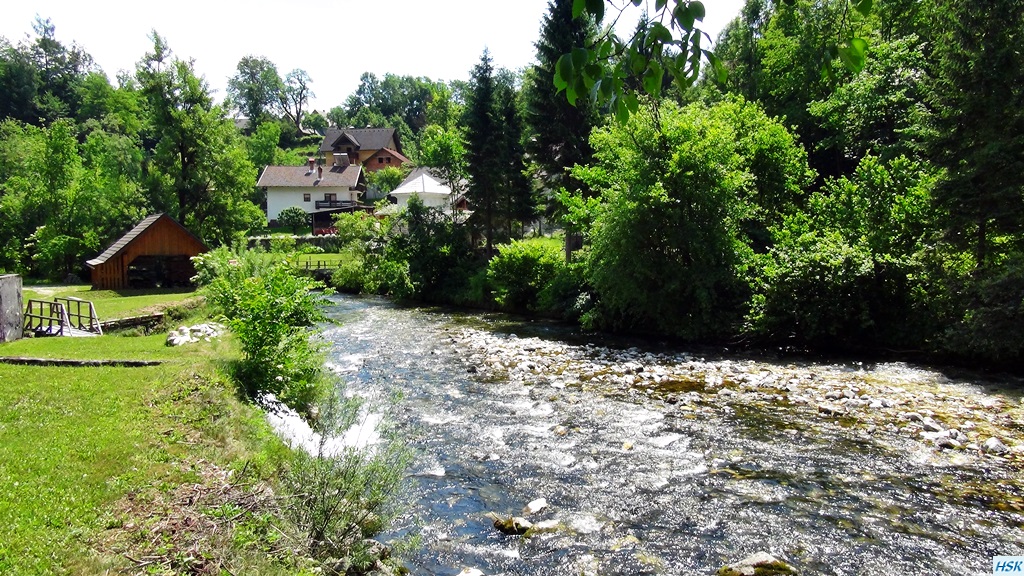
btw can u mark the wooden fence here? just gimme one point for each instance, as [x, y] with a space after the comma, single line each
[62, 317]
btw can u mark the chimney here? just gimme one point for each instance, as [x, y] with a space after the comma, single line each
[319, 172]
[311, 161]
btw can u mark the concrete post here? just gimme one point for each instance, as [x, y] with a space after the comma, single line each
[11, 307]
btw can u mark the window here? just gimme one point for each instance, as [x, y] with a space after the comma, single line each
[388, 159]
[380, 160]
[330, 197]
[305, 197]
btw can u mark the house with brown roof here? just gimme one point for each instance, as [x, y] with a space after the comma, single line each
[319, 190]
[371, 148]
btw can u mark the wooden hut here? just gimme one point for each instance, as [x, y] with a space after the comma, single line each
[156, 253]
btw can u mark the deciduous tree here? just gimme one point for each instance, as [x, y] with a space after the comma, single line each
[255, 89]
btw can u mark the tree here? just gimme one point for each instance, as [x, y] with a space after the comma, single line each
[295, 95]
[386, 179]
[315, 121]
[294, 217]
[255, 89]
[881, 111]
[199, 169]
[60, 70]
[19, 82]
[514, 188]
[484, 146]
[337, 116]
[606, 68]
[978, 92]
[559, 131]
[444, 150]
[849, 271]
[669, 244]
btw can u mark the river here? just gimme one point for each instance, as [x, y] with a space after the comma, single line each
[655, 461]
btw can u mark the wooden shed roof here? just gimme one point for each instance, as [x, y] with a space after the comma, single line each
[123, 242]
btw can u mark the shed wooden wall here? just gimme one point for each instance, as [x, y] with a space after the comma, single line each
[163, 238]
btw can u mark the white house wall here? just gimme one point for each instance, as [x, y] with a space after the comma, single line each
[280, 198]
[429, 200]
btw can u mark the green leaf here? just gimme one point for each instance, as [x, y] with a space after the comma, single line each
[632, 102]
[577, 8]
[653, 78]
[606, 49]
[563, 71]
[721, 73]
[684, 16]
[659, 5]
[591, 75]
[621, 113]
[580, 57]
[854, 54]
[637, 62]
[596, 9]
[658, 33]
[698, 10]
[863, 6]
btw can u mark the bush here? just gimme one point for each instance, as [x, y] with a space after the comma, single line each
[566, 295]
[282, 244]
[343, 498]
[293, 217]
[269, 311]
[350, 276]
[520, 271]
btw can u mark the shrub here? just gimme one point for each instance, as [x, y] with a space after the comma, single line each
[341, 499]
[269, 311]
[520, 271]
[282, 244]
[350, 276]
[293, 217]
[566, 295]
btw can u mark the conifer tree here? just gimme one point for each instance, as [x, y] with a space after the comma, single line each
[516, 191]
[483, 138]
[979, 97]
[560, 131]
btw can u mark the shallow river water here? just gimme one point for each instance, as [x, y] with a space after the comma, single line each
[655, 461]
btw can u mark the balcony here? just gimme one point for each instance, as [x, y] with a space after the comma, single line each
[333, 204]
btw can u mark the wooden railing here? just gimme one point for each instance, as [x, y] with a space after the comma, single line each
[55, 318]
[321, 204]
[320, 264]
[89, 322]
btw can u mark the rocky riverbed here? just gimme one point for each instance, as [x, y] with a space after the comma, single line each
[964, 424]
[546, 454]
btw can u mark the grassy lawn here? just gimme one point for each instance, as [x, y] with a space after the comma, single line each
[328, 260]
[112, 304]
[76, 441]
[556, 242]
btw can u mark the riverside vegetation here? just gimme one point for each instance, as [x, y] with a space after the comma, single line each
[162, 470]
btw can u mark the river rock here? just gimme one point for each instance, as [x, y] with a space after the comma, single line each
[931, 425]
[514, 525]
[535, 506]
[470, 572]
[994, 446]
[831, 409]
[758, 564]
[189, 334]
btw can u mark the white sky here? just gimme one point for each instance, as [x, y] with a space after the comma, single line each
[335, 42]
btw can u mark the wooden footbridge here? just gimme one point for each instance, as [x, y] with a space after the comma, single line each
[62, 317]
